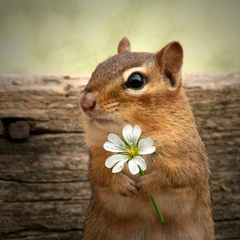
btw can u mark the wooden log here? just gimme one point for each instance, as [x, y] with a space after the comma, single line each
[44, 188]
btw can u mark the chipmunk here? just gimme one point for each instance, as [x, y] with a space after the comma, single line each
[145, 89]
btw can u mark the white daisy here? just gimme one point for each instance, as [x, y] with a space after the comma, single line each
[128, 150]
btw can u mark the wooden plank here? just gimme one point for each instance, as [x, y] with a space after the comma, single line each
[49, 103]
[44, 158]
[44, 235]
[44, 188]
[227, 229]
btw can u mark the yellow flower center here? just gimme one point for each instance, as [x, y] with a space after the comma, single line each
[133, 151]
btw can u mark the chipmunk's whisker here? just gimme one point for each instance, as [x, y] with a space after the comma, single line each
[73, 110]
[76, 119]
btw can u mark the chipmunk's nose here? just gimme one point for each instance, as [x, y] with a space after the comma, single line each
[87, 102]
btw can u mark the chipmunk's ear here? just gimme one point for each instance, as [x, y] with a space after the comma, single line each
[124, 45]
[170, 60]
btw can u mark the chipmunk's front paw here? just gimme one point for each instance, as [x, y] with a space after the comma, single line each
[147, 185]
[125, 186]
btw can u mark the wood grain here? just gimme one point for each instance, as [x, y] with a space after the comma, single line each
[44, 188]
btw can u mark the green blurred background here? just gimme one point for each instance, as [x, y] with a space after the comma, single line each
[72, 36]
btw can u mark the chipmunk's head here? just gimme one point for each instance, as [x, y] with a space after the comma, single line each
[132, 87]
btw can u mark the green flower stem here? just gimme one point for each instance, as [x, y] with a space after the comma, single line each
[160, 216]
[140, 171]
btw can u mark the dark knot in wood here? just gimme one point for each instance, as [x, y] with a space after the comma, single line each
[19, 130]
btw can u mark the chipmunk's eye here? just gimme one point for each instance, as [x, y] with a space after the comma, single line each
[135, 81]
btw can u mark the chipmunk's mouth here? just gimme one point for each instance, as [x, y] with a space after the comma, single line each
[103, 122]
[99, 121]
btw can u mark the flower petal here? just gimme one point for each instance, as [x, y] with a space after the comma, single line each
[133, 168]
[127, 133]
[136, 133]
[118, 167]
[111, 147]
[130, 134]
[141, 163]
[112, 160]
[116, 140]
[145, 146]
[148, 150]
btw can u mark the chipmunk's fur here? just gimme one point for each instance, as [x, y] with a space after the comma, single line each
[177, 173]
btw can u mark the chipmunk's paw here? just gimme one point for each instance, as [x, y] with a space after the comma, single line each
[125, 186]
[147, 185]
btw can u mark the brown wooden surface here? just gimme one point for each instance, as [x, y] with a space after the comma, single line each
[44, 189]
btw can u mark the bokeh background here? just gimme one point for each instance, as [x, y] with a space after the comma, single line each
[72, 36]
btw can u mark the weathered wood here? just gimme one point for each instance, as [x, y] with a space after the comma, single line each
[49, 103]
[44, 188]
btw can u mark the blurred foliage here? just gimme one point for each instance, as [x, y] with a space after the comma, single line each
[72, 36]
